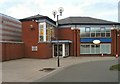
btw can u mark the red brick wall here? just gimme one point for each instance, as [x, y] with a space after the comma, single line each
[113, 44]
[78, 42]
[119, 43]
[12, 51]
[74, 36]
[66, 34]
[30, 38]
[28, 35]
[0, 52]
[44, 51]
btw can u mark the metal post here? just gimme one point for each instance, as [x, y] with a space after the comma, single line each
[58, 59]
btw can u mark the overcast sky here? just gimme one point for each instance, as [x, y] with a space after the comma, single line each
[102, 9]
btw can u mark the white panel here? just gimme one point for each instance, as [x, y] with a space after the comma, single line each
[12, 33]
[63, 50]
[39, 32]
[12, 28]
[45, 31]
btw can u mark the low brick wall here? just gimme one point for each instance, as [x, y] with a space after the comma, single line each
[12, 50]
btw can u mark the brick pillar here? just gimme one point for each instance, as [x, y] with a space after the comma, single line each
[113, 44]
[74, 42]
[118, 43]
[78, 43]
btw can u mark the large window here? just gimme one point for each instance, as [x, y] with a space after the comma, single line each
[95, 32]
[46, 32]
[41, 32]
[49, 32]
[95, 49]
[106, 48]
[85, 49]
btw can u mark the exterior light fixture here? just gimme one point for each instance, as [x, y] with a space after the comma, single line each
[54, 13]
[31, 27]
[96, 42]
[60, 10]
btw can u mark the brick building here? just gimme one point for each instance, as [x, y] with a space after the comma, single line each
[74, 37]
[38, 37]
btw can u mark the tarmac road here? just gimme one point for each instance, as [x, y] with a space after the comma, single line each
[95, 71]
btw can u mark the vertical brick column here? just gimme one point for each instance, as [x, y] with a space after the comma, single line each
[78, 42]
[74, 42]
[118, 43]
[113, 44]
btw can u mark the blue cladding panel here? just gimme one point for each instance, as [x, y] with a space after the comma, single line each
[91, 39]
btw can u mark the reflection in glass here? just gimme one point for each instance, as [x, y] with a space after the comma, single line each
[106, 48]
[97, 29]
[87, 34]
[102, 34]
[108, 34]
[49, 32]
[102, 29]
[95, 49]
[82, 49]
[87, 29]
[92, 34]
[95, 32]
[87, 49]
[98, 34]
[92, 49]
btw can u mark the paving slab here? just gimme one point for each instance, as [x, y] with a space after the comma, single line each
[28, 70]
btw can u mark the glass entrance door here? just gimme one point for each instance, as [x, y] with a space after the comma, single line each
[63, 50]
[59, 50]
[67, 50]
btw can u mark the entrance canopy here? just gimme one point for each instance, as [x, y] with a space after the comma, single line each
[61, 41]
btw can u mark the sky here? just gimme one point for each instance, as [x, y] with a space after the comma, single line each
[101, 9]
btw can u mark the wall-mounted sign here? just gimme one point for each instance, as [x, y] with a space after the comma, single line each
[34, 48]
[96, 41]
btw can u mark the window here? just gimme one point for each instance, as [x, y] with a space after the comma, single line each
[88, 49]
[102, 34]
[98, 34]
[106, 48]
[92, 49]
[49, 32]
[102, 29]
[95, 32]
[46, 31]
[95, 49]
[87, 29]
[92, 34]
[83, 49]
[107, 34]
[87, 32]
[41, 32]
